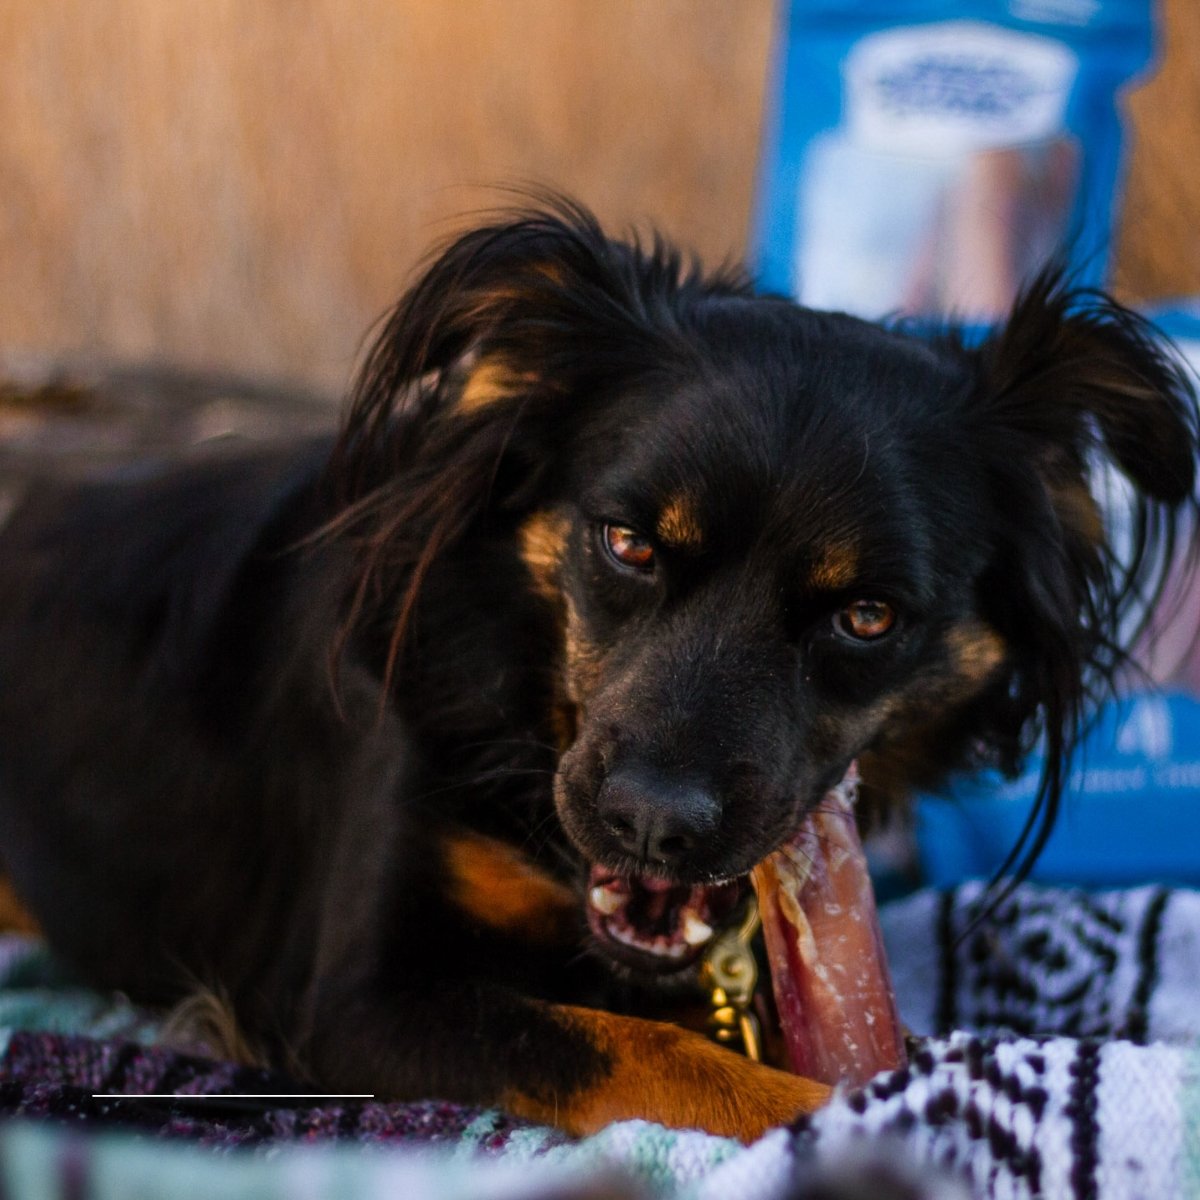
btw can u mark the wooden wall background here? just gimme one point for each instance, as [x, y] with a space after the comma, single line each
[247, 184]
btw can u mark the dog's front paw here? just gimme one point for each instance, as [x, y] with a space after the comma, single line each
[658, 1072]
[764, 1099]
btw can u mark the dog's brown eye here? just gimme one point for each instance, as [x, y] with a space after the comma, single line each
[628, 547]
[865, 620]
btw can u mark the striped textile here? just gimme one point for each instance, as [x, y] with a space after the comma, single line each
[1061, 1061]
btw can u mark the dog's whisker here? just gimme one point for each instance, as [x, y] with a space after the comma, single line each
[524, 743]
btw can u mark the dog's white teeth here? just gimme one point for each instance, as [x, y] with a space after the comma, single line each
[695, 931]
[661, 946]
[606, 901]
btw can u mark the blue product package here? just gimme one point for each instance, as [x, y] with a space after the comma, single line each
[925, 157]
[1130, 813]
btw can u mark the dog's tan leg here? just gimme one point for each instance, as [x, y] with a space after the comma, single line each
[661, 1073]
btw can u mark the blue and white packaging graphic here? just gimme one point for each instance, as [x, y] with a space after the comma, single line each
[925, 157]
[1130, 811]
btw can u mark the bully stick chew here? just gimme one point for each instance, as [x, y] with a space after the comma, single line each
[829, 972]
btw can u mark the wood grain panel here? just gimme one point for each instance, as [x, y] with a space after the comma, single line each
[247, 185]
[1158, 248]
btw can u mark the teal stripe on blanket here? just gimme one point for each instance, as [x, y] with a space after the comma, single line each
[37, 993]
[634, 1159]
[1190, 1121]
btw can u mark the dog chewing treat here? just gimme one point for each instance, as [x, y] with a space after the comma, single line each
[837, 1007]
[444, 745]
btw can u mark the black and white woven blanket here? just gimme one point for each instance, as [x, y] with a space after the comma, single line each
[1060, 1058]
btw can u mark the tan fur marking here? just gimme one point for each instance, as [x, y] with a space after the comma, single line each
[541, 543]
[679, 524]
[552, 271]
[502, 889]
[14, 916]
[977, 651]
[583, 658]
[914, 729]
[834, 568]
[658, 1072]
[487, 383]
[492, 380]
[564, 720]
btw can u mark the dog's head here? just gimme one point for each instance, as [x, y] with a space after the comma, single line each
[774, 541]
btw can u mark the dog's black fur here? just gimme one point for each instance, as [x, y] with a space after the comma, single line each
[615, 567]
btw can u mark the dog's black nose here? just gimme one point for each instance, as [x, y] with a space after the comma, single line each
[654, 818]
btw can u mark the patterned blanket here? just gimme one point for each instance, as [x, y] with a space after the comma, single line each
[1061, 1061]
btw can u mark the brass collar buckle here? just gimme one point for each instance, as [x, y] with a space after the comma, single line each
[729, 973]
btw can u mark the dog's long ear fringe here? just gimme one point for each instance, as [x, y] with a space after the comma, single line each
[1073, 380]
[488, 359]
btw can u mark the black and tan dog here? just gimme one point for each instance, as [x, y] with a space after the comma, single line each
[441, 749]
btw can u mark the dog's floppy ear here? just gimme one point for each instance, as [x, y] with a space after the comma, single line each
[524, 317]
[481, 372]
[1073, 364]
[1071, 381]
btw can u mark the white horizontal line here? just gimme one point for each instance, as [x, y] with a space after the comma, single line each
[233, 1095]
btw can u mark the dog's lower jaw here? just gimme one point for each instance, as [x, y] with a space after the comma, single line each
[653, 927]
